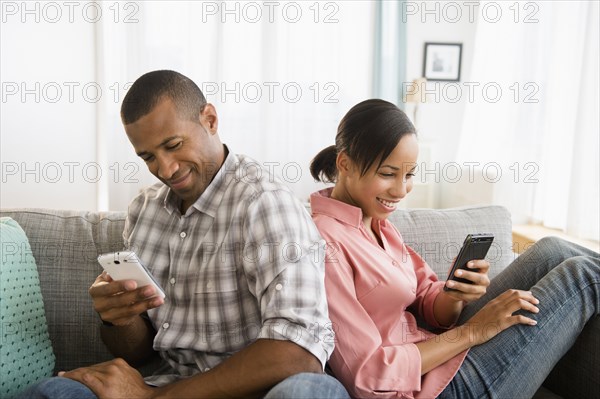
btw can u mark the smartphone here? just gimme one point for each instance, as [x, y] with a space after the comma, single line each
[125, 265]
[475, 246]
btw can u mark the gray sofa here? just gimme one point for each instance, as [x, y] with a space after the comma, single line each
[65, 245]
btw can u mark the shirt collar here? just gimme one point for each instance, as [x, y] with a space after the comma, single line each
[322, 203]
[211, 198]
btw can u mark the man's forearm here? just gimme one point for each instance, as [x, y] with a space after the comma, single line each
[132, 342]
[249, 373]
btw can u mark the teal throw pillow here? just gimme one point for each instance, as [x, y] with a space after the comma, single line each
[25, 349]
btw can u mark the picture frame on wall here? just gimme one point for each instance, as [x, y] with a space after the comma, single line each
[442, 61]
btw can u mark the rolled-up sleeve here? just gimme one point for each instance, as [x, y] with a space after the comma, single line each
[286, 273]
[428, 288]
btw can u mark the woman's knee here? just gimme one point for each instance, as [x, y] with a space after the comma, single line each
[554, 243]
[566, 248]
[580, 269]
[586, 263]
[554, 251]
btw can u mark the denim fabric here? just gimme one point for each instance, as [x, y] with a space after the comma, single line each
[299, 386]
[308, 386]
[57, 387]
[566, 279]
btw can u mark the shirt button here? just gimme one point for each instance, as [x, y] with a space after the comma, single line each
[278, 287]
[207, 369]
[172, 281]
[395, 263]
[209, 284]
[182, 234]
[165, 325]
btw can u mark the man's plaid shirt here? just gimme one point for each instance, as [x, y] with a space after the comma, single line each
[244, 262]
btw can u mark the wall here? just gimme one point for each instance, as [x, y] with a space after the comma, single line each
[327, 50]
[47, 116]
[49, 51]
[440, 119]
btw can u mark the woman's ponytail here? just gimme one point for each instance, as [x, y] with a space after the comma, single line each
[323, 167]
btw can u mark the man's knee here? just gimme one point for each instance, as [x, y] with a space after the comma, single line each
[308, 385]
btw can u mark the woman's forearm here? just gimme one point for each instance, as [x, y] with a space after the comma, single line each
[444, 347]
[446, 310]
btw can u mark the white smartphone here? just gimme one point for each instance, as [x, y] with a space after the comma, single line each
[125, 265]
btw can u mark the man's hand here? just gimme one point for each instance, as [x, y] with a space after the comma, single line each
[121, 302]
[113, 379]
[478, 275]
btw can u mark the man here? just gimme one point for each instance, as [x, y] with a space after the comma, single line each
[245, 312]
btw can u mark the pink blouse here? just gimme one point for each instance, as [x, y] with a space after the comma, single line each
[370, 291]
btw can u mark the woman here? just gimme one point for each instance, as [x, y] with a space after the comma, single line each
[502, 338]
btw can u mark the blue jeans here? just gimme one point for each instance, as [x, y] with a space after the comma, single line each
[566, 279]
[57, 387]
[299, 386]
[308, 386]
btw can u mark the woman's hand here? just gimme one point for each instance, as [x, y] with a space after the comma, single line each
[449, 304]
[498, 315]
[477, 274]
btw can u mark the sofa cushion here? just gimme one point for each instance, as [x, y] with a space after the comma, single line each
[25, 350]
[438, 234]
[66, 245]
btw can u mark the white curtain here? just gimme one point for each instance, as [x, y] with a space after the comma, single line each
[281, 75]
[543, 129]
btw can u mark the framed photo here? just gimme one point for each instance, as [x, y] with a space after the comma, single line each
[441, 61]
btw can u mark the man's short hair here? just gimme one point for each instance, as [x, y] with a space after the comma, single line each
[151, 88]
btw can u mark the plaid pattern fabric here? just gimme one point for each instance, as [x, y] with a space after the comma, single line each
[242, 264]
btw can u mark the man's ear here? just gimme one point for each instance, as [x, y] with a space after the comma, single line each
[209, 119]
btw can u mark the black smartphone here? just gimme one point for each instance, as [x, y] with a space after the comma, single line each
[475, 246]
